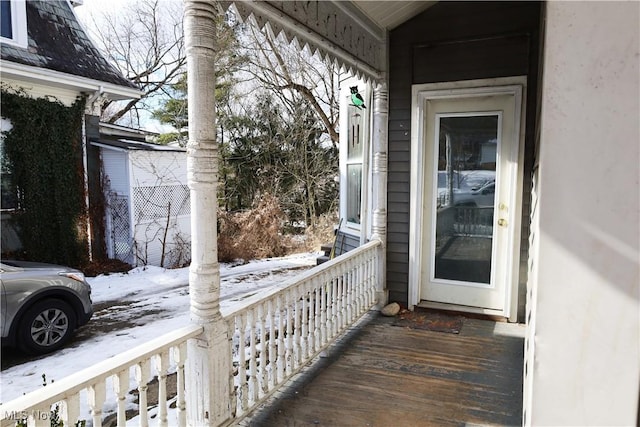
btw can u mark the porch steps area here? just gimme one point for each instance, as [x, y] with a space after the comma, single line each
[383, 374]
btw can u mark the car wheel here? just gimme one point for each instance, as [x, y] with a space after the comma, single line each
[46, 326]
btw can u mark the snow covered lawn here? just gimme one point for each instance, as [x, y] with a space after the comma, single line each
[135, 307]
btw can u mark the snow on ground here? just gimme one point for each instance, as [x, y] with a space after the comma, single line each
[135, 307]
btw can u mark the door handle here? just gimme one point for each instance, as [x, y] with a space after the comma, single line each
[502, 222]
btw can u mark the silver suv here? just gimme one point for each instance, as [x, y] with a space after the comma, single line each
[42, 305]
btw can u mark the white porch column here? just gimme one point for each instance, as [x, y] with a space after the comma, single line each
[379, 184]
[208, 362]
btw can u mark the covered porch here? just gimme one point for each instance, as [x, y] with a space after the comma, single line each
[417, 369]
[569, 369]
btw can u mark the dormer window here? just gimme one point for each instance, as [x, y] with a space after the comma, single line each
[13, 22]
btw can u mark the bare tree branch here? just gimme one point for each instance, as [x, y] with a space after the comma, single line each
[145, 42]
[281, 68]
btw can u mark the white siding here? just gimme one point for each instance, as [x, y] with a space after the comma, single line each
[149, 237]
[65, 96]
[583, 368]
[158, 168]
[116, 171]
[161, 207]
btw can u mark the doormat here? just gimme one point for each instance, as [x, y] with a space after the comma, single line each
[429, 321]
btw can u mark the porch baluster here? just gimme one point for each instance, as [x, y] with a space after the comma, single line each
[347, 296]
[304, 345]
[272, 346]
[357, 286]
[289, 309]
[280, 339]
[242, 391]
[340, 306]
[121, 387]
[95, 397]
[253, 363]
[334, 307]
[162, 365]
[317, 300]
[39, 417]
[180, 355]
[143, 376]
[371, 286]
[323, 309]
[297, 329]
[70, 409]
[264, 387]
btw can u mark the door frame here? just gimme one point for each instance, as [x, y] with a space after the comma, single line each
[469, 88]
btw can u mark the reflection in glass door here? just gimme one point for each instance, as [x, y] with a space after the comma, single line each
[466, 152]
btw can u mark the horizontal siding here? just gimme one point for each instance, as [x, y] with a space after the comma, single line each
[452, 41]
[150, 250]
[158, 168]
[115, 170]
[458, 61]
[398, 187]
[66, 96]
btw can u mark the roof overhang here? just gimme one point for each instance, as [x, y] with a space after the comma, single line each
[36, 75]
[390, 14]
[129, 145]
[352, 33]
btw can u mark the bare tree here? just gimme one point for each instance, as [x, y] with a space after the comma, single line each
[286, 70]
[145, 41]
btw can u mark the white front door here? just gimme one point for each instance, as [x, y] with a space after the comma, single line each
[469, 182]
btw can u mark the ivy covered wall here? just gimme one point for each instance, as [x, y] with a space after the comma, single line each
[44, 154]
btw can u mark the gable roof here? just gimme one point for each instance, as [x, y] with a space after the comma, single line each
[57, 41]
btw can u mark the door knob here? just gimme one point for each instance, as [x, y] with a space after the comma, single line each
[502, 222]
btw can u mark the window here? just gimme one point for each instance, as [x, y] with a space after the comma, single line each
[13, 22]
[355, 141]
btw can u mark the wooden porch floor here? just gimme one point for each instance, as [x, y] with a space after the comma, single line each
[381, 374]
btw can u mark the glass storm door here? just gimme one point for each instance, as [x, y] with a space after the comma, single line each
[470, 186]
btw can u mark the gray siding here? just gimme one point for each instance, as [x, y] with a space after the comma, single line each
[448, 42]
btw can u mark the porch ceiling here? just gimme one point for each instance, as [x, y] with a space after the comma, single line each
[352, 33]
[390, 14]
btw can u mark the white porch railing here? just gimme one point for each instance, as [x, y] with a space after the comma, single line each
[272, 336]
[86, 395]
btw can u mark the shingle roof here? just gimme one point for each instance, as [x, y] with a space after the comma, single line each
[58, 42]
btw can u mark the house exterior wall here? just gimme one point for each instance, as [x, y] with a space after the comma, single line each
[583, 344]
[37, 90]
[160, 207]
[116, 171]
[453, 41]
[158, 168]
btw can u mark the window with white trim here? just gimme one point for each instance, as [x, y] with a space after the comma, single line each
[355, 149]
[13, 22]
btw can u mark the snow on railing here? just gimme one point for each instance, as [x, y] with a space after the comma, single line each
[86, 397]
[274, 335]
